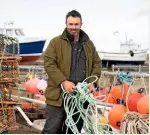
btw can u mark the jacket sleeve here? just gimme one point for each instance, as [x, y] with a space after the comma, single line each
[50, 64]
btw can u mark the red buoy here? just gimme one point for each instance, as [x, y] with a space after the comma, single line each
[110, 99]
[133, 100]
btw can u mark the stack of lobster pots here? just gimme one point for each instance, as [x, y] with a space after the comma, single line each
[9, 76]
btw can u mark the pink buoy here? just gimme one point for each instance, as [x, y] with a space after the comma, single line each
[31, 86]
[42, 86]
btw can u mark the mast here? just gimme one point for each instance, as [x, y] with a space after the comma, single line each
[126, 40]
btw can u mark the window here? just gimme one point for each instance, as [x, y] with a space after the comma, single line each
[18, 32]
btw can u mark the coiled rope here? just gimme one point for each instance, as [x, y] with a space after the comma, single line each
[135, 123]
[76, 100]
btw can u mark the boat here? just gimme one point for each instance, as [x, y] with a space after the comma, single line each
[130, 53]
[31, 48]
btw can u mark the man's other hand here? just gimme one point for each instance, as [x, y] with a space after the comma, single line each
[68, 86]
[91, 88]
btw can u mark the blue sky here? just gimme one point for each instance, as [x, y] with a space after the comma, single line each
[46, 18]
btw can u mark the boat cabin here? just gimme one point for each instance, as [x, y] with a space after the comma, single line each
[126, 47]
[11, 32]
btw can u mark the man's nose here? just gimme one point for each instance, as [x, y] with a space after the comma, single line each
[74, 26]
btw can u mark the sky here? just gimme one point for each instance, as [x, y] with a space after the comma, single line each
[101, 19]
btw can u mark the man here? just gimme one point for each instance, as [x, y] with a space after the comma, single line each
[68, 59]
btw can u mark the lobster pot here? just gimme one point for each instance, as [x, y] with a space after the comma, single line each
[9, 68]
[136, 120]
[9, 75]
[131, 90]
[9, 45]
[7, 120]
[96, 121]
[9, 58]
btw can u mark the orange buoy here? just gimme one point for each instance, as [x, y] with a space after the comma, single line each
[143, 105]
[26, 105]
[119, 91]
[125, 90]
[115, 115]
[101, 94]
[133, 100]
[110, 99]
[31, 86]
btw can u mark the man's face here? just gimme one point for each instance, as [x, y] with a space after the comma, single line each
[73, 25]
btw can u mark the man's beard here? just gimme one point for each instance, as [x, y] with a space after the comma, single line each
[74, 31]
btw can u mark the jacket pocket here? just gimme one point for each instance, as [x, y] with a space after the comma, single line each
[52, 93]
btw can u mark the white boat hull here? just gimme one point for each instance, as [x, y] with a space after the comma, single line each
[110, 56]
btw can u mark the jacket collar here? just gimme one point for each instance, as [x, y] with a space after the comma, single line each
[83, 36]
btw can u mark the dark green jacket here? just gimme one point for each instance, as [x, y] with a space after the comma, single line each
[57, 62]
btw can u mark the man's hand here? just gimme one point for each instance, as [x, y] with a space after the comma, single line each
[68, 86]
[91, 88]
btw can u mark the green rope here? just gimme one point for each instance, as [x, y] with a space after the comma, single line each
[125, 77]
[76, 100]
